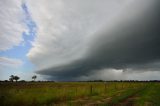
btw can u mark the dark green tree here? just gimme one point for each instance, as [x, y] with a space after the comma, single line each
[16, 78]
[34, 77]
[11, 78]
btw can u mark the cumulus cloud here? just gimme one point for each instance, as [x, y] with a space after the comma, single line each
[11, 25]
[72, 45]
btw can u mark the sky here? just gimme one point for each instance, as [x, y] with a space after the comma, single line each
[80, 39]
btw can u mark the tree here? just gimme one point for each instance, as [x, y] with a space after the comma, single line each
[11, 78]
[34, 77]
[16, 78]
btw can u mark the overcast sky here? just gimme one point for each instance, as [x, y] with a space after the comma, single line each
[80, 39]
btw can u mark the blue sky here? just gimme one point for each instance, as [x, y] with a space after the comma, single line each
[20, 51]
[79, 39]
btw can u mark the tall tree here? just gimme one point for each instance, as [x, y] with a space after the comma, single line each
[11, 78]
[34, 77]
[16, 78]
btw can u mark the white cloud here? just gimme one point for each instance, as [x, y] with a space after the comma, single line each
[142, 75]
[6, 62]
[64, 27]
[9, 66]
[11, 26]
[13, 66]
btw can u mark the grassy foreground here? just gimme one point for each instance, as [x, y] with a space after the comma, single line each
[80, 94]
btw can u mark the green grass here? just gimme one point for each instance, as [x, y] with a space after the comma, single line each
[150, 96]
[74, 93]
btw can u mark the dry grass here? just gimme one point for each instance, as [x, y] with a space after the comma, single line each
[67, 93]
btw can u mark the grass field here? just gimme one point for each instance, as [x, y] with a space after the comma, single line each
[80, 94]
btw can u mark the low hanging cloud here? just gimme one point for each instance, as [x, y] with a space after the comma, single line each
[129, 41]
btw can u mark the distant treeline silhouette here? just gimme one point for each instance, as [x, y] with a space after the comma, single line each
[85, 81]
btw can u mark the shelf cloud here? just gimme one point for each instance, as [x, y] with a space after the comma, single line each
[127, 40]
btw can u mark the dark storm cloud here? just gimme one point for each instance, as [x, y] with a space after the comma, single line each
[133, 41]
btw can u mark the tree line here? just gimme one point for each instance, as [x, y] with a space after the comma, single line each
[16, 78]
